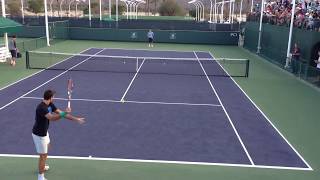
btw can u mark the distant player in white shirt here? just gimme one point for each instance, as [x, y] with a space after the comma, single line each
[150, 38]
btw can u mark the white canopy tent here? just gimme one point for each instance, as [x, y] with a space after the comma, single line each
[198, 4]
[61, 7]
[231, 11]
[132, 8]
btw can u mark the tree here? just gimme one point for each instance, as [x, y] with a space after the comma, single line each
[95, 8]
[171, 8]
[121, 9]
[14, 8]
[192, 13]
[35, 6]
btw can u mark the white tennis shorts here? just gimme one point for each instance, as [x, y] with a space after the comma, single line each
[41, 143]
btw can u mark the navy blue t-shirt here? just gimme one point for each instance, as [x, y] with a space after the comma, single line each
[41, 125]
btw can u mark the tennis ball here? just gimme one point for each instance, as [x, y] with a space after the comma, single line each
[90, 156]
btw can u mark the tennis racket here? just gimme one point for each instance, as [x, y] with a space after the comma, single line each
[70, 88]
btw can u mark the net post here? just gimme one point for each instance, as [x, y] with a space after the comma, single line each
[27, 60]
[247, 68]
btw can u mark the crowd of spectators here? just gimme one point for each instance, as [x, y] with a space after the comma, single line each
[278, 12]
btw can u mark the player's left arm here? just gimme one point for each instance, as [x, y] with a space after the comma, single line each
[69, 116]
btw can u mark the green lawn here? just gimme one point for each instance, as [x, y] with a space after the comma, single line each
[291, 104]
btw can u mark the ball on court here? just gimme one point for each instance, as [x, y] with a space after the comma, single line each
[90, 156]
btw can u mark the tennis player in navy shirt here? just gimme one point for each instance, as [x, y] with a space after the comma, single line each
[46, 111]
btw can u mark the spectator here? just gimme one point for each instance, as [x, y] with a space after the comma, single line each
[318, 66]
[279, 12]
[295, 58]
[296, 52]
[13, 50]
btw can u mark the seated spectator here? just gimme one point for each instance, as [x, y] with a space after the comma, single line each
[317, 61]
[278, 12]
[295, 58]
[296, 52]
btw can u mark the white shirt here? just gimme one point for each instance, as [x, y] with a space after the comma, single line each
[150, 34]
[318, 63]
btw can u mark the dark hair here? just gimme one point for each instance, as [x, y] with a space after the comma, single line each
[48, 94]
[13, 36]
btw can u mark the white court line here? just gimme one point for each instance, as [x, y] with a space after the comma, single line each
[38, 72]
[48, 81]
[158, 161]
[134, 77]
[224, 109]
[265, 116]
[135, 102]
[156, 50]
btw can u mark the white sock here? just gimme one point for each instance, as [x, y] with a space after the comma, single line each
[40, 176]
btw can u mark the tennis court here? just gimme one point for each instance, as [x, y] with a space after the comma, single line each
[149, 106]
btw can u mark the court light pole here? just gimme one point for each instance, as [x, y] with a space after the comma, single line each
[22, 11]
[260, 27]
[46, 22]
[117, 10]
[290, 34]
[110, 9]
[100, 9]
[251, 9]
[89, 11]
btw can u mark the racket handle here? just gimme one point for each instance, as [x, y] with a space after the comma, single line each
[69, 104]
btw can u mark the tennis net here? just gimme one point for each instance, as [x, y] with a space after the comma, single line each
[129, 64]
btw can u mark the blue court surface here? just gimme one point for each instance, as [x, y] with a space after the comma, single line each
[147, 117]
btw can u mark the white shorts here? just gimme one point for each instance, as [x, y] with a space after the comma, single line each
[41, 143]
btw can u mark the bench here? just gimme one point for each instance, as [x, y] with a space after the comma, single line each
[4, 54]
